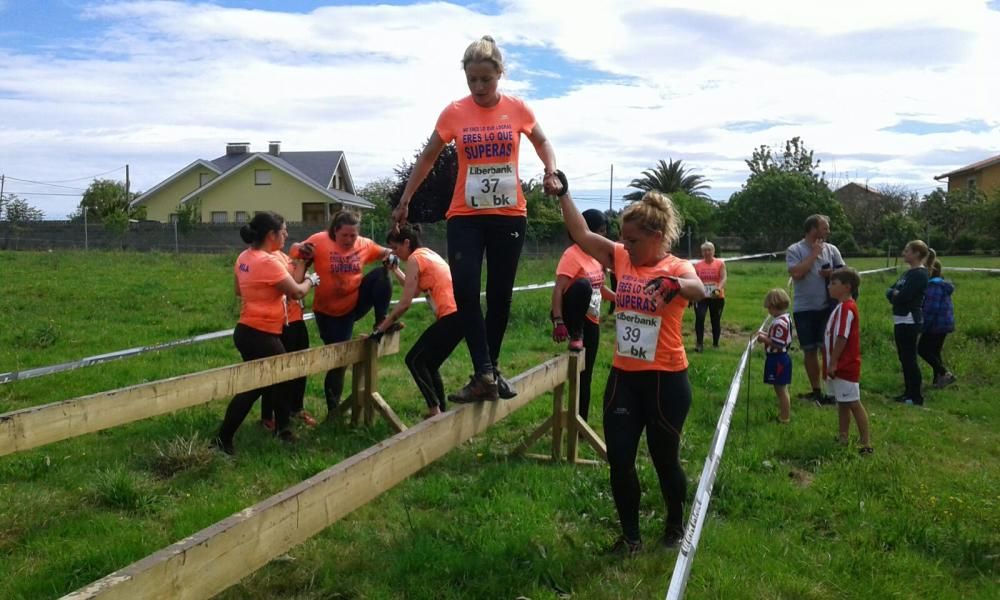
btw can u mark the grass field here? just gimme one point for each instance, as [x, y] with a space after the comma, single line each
[794, 515]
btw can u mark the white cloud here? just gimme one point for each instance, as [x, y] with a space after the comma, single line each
[166, 82]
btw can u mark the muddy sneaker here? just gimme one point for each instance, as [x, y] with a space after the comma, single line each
[268, 424]
[575, 344]
[307, 419]
[944, 380]
[672, 537]
[866, 451]
[504, 388]
[624, 548]
[224, 445]
[480, 388]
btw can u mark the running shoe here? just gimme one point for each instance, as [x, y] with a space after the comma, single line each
[224, 445]
[625, 548]
[504, 388]
[944, 381]
[268, 424]
[479, 389]
[307, 419]
[575, 344]
[866, 451]
[672, 537]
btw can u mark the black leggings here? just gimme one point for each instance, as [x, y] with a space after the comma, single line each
[375, 292]
[253, 344]
[501, 239]
[657, 401]
[929, 349]
[576, 301]
[294, 337]
[431, 349]
[906, 348]
[714, 307]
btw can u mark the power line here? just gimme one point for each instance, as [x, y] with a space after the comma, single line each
[21, 193]
[81, 178]
[44, 183]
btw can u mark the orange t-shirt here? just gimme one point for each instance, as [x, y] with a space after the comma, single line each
[294, 307]
[648, 339]
[340, 272]
[710, 275]
[487, 141]
[263, 306]
[435, 281]
[575, 263]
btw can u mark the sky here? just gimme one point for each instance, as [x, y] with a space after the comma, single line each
[891, 92]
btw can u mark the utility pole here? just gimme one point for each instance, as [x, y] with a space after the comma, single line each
[126, 188]
[611, 190]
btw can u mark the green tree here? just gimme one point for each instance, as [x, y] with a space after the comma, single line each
[947, 216]
[866, 211]
[896, 229]
[796, 158]
[106, 201]
[17, 210]
[668, 179]
[378, 192]
[188, 215]
[430, 202]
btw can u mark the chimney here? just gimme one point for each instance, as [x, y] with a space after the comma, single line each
[274, 148]
[237, 148]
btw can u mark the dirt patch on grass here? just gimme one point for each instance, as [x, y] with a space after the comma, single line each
[800, 478]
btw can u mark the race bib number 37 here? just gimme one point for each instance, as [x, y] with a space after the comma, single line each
[637, 335]
[491, 186]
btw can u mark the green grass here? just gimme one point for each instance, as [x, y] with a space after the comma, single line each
[793, 514]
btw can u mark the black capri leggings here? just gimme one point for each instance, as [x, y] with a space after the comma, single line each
[375, 292]
[576, 301]
[431, 349]
[253, 344]
[714, 307]
[657, 401]
[294, 337]
[501, 239]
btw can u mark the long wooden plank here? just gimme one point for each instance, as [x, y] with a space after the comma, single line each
[217, 557]
[39, 425]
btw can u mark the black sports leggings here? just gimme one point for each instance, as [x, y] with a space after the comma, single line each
[657, 401]
[576, 301]
[253, 344]
[906, 349]
[929, 349]
[294, 337]
[714, 307]
[375, 292]
[431, 349]
[501, 239]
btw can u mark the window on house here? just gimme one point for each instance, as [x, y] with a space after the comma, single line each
[971, 183]
[204, 178]
[242, 217]
[219, 217]
[314, 213]
[262, 177]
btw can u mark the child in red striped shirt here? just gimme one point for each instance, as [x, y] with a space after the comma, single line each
[842, 345]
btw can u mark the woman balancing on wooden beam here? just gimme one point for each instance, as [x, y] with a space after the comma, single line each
[262, 281]
[426, 273]
[648, 385]
[488, 212]
[339, 256]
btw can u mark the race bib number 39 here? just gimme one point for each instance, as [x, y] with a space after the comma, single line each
[491, 186]
[637, 335]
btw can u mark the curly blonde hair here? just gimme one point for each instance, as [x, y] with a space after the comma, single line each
[655, 212]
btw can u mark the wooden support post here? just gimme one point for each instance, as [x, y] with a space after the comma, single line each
[209, 561]
[558, 421]
[386, 411]
[36, 426]
[371, 382]
[573, 412]
[357, 391]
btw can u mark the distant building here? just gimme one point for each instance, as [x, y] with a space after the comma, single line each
[304, 187]
[855, 193]
[983, 176]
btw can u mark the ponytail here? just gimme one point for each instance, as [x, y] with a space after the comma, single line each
[407, 231]
[263, 223]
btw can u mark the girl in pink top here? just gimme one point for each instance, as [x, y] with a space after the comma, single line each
[576, 303]
[487, 214]
[648, 388]
[262, 281]
[426, 272]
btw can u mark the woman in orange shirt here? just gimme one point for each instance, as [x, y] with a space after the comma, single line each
[340, 255]
[712, 272]
[488, 213]
[426, 272]
[262, 280]
[648, 385]
[576, 303]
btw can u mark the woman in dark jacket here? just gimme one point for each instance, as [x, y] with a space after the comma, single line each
[907, 298]
[939, 321]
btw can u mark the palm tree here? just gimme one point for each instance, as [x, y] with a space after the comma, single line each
[667, 178]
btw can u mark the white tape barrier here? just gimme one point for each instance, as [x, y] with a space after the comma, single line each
[971, 270]
[103, 358]
[682, 568]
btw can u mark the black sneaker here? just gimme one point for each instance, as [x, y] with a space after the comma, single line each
[504, 389]
[866, 451]
[479, 389]
[672, 537]
[827, 399]
[810, 396]
[624, 548]
[944, 381]
[224, 445]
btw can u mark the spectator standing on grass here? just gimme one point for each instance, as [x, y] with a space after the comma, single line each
[262, 281]
[488, 211]
[712, 273]
[340, 255]
[810, 262]
[907, 299]
[776, 340]
[842, 365]
[576, 303]
[648, 387]
[427, 273]
[939, 321]
[295, 337]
